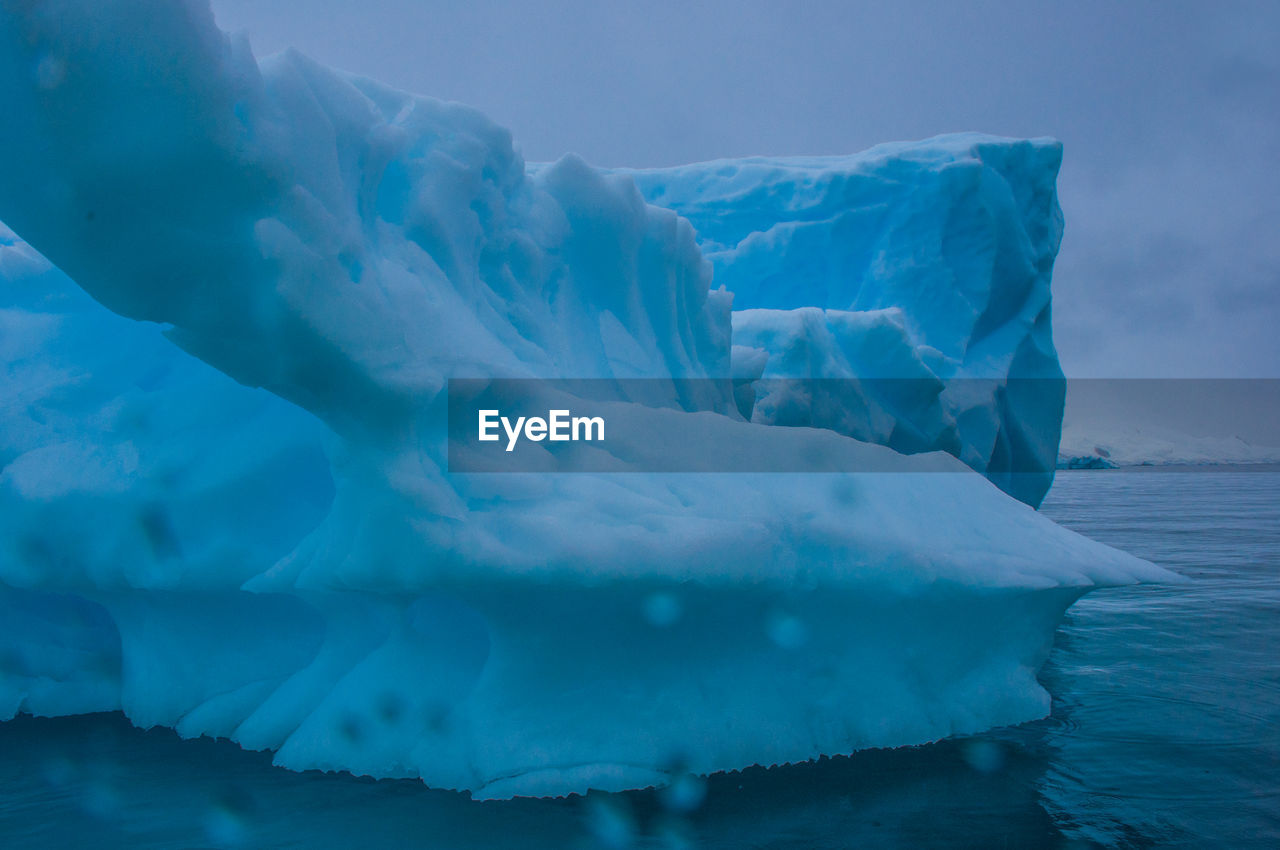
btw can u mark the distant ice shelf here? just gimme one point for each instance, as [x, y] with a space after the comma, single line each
[1109, 446]
[232, 297]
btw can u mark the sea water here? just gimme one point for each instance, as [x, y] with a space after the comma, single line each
[1165, 732]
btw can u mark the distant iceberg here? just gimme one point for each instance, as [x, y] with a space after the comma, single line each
[224, 497]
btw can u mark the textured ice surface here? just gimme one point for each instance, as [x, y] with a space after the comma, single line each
[282, 558]
[927, 261]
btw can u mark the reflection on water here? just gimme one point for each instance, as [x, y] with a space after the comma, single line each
[1164, 732]
[96, 781]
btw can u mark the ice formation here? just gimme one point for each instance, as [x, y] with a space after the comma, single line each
[282, 559]
[927, 264]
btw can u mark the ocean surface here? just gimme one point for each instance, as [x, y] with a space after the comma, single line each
[1165, 732]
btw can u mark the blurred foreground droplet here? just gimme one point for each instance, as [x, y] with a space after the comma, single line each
[786, 630]
[662, 609]
[685, 793]
[982, 756]
[610, 820]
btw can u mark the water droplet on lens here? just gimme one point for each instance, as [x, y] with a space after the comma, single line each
[50, 71]
[685, 793]
[610, 820]
[982, 756]
[786, 630]
[662, 609]
[350, 728]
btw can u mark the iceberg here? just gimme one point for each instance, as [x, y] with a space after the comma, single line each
[232, 300]
[923, 267]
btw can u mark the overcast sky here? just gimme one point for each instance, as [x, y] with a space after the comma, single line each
[1170, 114]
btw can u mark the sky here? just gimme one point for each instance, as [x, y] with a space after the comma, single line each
[1169, 113]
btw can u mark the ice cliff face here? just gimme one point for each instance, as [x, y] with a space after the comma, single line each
[283, 558]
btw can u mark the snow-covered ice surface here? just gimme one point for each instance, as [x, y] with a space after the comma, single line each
[239, 522]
